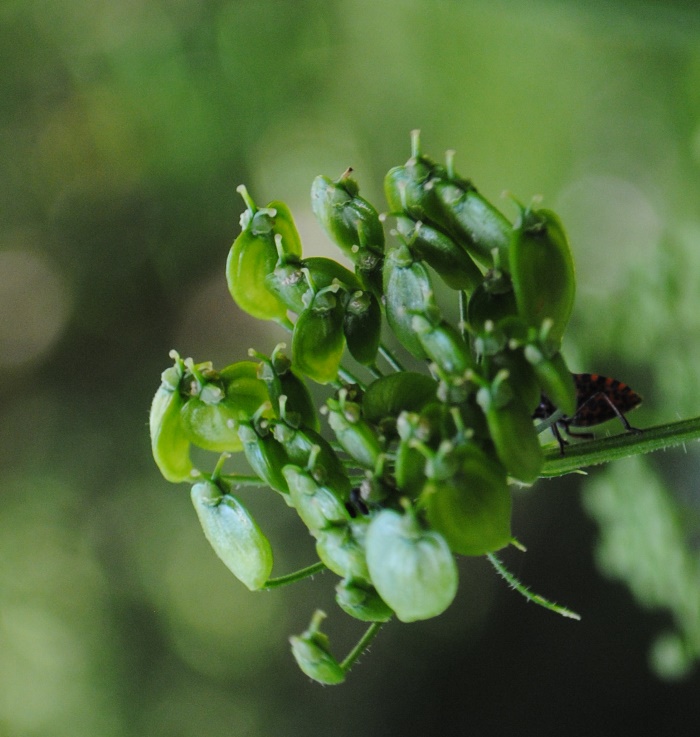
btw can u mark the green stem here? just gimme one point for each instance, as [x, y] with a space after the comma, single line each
[450, 163]
[243, 192]
[463, 307]
[216, 473]
[364, 642]
[415, 143]
[546, 424]
[302, 573]
[349, 378]
[522, 589]
[390, 358]
[613, 448]
[286, 323]
[242, 480]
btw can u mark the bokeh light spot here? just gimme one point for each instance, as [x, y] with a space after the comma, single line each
[613, 225]
[34, 304]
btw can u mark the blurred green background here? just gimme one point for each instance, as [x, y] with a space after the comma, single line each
[124, 130]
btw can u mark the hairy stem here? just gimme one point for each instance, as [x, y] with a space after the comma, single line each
[370, 633]
[593, 452]
[273, 583]
[529, 595]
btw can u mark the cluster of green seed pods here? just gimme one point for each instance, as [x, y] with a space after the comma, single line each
[400, 470]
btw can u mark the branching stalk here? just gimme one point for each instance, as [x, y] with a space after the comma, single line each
[522, 589]
[302, 573]
[362, 644]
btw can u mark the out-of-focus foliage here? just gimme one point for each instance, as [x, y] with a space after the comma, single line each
[644, 542]
[124, 129]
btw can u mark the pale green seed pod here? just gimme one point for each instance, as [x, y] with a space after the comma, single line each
[360, 600]
[312, 652]
[266, 456]
[355, 435]
[408, 292]
[342, 549]
[211, 418]
[318, 506]
[254, 255]
[318, 340]
[233, 534]
[170, 444]
[412, 569]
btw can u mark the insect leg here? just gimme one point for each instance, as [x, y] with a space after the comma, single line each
[618, 414]
[555, 431]
[622, 418]
[356, 504]
[581, 435]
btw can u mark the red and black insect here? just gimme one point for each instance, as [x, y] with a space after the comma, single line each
[598, 399]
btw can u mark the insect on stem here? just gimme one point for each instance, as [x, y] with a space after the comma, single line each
[598, 399]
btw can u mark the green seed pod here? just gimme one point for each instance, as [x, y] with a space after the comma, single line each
[409, 464]
[444, 345]
[169, 442]
[390, 395]
[318, 506]
[410, 471]
[487, 306]
[369, 267]
[474, 221]
[300, 443]
[554, 378]
[377, 486]
[318, 340]
[443, 463]
[542, 271]
[353, 224]
[294, 280]
[408, 292]
[211, 418]
[299, 400]
[362, 326]
[289, 284]
[341, 548]
[511, 429]
[325, 271]
[472, 508]
[361, 601]
[281, 380]
[242, 385]
[253, 256]
[311, 650]
[348, 219]
[521, 375]
[412, 569]
[266, 456]
[212, 426]
[234, 534]
[429, 426]
[354, 434]
[471, 421]
[454, 265]
[409, 189]
[283, 224]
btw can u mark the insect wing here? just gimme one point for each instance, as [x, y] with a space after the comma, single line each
[597, 398]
